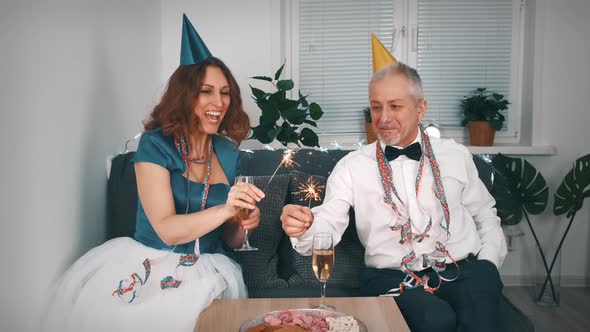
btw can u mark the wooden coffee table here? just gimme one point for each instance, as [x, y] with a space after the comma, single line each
[377, 313]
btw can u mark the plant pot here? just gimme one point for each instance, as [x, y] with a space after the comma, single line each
[481, 133]
[371, 136]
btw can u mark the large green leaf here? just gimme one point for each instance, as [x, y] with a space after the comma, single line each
[284, 135]
[517, 185]
[277, 98]
[264, 133]
[269, 113]
[287, 104]
[311, 123]
[258, 94]
[262, 78]
[278, 72]
[570, 195]
[315, 111]
[303, 100]
[294, 115]
[309, 138]
[507, 205]
[285, 85]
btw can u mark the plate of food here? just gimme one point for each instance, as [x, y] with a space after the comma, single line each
[303, 320]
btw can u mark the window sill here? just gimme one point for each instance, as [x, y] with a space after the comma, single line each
[511, 149]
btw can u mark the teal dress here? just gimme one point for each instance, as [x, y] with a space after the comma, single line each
[157, 148]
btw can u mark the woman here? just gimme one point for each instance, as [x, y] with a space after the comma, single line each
[177, 263]
[168, 148]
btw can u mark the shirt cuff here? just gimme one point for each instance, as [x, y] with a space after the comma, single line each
[303, 243]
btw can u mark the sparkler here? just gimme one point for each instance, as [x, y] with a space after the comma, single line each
[287, 161]
[311, 191]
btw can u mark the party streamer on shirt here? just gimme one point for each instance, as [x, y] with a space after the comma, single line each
[404, 223]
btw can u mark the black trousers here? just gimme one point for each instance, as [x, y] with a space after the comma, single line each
[469, 303]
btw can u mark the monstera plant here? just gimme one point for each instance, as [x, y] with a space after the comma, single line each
[275, 106]
[569, 199]
[519, 190]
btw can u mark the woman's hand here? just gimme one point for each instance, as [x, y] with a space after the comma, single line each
[243, 196]
[253, 220]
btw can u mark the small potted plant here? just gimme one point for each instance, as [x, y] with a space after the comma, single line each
[283, 118]
[481, 111]
[371, 136]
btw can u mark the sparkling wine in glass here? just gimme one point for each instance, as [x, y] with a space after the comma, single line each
[243, 214]
[322, 262]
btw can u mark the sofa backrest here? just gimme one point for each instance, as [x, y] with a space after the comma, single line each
[122, 189]
[276, 264]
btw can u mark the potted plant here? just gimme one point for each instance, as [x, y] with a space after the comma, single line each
[370, 133]
[481, 111]
[275, 106]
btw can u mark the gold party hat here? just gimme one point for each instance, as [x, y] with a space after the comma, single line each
[381, 56]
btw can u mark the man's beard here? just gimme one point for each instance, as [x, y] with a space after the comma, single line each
[392, 141]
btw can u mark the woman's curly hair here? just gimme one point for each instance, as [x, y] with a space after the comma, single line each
[175, 115]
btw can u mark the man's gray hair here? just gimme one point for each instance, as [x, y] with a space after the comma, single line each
[396, 68]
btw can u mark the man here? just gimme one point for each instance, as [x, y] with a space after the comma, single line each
[430, 230]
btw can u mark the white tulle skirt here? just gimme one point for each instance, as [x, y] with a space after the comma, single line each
[83, 299]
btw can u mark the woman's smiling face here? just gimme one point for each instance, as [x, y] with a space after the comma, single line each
[213, 100]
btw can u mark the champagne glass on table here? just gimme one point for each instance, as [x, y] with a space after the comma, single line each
[322, 262]
[243, 214]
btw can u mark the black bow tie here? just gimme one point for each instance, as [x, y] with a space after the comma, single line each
[413, 151]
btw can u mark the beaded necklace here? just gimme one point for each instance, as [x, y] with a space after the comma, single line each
[404, 222]
[182, 148]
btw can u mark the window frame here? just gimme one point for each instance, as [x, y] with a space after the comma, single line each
[407, 53]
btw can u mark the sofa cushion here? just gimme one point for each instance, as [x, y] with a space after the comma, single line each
[349, 252]
[260, 267]
[121, 197]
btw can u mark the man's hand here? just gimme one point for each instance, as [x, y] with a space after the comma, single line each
[296, 219]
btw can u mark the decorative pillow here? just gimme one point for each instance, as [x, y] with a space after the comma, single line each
[260, 267]
[349, 252]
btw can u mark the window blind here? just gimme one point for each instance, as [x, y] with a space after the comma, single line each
[335, 57]
[462, 45]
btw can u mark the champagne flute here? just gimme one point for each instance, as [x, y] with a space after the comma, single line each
[243, 214]
[322, 262]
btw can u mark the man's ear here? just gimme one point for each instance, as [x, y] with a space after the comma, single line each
[421, 108]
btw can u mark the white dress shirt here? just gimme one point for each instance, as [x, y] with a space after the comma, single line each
[355, 182]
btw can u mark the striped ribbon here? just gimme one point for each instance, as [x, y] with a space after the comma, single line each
[128, 289]
[404, 223]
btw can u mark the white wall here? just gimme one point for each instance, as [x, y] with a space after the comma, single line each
[561, 118]
[77, 78]
[238, 32]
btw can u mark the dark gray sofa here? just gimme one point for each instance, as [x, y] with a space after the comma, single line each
[276, 270]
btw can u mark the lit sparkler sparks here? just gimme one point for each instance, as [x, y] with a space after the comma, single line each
[311, 190]
[287, 161]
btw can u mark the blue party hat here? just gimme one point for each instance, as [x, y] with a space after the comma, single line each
[192, 49]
